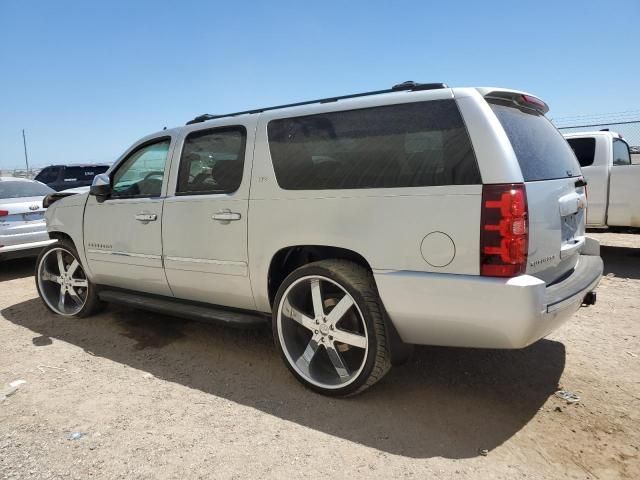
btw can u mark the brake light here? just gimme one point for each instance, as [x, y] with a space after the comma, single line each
[535, 102]
[4, 213]
[504, 235]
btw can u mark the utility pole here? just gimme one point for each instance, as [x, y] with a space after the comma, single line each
[26, 157]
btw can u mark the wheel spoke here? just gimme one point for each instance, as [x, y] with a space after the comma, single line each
[349, 338]
[50, 277]
[61, 301]
[309, 353]
[74, 295]
[60, 262]
[337, 362]
[316, 296]
[79, 282]
[295, 314]
[340, 309]
[72, 268]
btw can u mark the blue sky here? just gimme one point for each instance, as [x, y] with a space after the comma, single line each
[86, 79]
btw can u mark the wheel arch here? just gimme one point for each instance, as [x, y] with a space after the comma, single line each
[287, 259]
[57, 235]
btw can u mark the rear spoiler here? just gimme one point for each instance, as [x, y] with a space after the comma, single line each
[521, 99]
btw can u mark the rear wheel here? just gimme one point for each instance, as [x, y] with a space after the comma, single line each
[329, 327]
[62, 283]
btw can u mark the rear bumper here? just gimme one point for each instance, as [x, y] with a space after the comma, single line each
[482, 312]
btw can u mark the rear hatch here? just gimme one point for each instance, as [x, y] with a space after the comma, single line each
[555, 191]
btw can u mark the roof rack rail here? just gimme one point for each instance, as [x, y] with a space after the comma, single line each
[409, 85]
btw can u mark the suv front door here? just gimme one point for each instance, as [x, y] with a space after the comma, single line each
[204, 232]
[122, 234]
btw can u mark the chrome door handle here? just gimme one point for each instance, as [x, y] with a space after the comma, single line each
[226, 216]
[146, 217]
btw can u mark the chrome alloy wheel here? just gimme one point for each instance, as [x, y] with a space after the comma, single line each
[322, 332]
[62, 281]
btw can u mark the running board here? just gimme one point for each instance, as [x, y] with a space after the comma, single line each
[178, 308]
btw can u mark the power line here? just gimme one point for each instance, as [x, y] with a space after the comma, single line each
[599, 124]
[599, 115]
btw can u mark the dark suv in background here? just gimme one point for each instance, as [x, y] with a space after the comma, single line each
[62, 177]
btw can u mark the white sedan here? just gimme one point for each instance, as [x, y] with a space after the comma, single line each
[23, 231]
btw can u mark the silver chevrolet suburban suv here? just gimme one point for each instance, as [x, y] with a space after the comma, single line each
[356, 225]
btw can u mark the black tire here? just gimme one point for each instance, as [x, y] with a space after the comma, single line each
[358, 282]
[92, 303]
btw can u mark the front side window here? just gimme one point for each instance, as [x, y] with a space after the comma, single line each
[408, 145]
[621, 154]
[212, 161]
[584, 148]
[141, 174]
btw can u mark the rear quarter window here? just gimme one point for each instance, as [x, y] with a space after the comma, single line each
[541, 150]
[47, 175]
[407, 145]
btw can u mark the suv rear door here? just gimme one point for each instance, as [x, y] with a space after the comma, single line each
[556, 200]
[204, 224]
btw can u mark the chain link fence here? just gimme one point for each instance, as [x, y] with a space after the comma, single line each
[630, 131]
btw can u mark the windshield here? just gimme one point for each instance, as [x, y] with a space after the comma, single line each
[542, 152]
[16, 189]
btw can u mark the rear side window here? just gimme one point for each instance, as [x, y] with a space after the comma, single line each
[584, 148]
[73, 174]
[89, 172]
[409, 145]
[621, 154]
[212, 161]
[49, 174]
[542, 152]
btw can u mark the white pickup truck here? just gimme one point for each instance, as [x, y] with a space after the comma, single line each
[613, 189]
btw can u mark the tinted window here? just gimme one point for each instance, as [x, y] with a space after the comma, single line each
[141, 174]
[584, 148]
[48, 175]
[17, 189]
[621, 152]
[409, 145]
[83, 173]
[73, 174]
[212, 161]
[542, 152]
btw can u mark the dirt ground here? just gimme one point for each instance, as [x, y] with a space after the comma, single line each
[158, 397]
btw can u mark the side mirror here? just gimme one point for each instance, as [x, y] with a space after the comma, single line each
[101, 187]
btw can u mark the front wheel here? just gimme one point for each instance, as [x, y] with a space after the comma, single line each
[329, 327]
[62, 283]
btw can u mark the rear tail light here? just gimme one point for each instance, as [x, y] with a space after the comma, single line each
[504, 235]
[4, 213]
